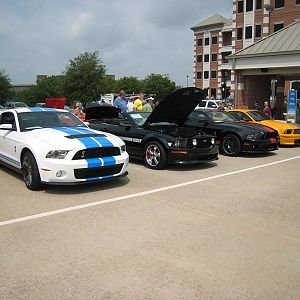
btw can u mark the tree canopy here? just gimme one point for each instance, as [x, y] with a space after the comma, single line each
[5, 87]
[160, 85]
[84, 78]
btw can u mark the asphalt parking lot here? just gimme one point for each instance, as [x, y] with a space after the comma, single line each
[223, 230]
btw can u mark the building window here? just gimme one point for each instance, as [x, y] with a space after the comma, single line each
[206, 74]
[279, 3]
[258, 4]
[206, 57]
[206, 41]
[214, 40]
[248, 32]
[199, 58]
[258, 31]
[240, 6]
[199, 75]
[278, 26]
[199, 42]
[214, 57]
[213, 74]
[249, 5]
[297, 1]
[239, 35]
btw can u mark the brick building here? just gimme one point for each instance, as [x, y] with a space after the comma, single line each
[251, 21]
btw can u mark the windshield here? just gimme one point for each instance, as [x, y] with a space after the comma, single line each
[47, 119]
[20, 104]
[258, 115]
[139, 118]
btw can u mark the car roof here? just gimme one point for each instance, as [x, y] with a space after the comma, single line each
[31, 109]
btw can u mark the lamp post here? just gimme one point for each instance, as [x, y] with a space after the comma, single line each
[187, 80]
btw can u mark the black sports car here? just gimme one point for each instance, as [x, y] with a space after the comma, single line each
[159, 137]
[232, 136]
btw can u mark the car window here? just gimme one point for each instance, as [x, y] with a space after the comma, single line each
[220, 116]
[240, 116]
[47, 119]
[211, 104]
[258, 115]
[8, 118]
[196, 117]
[202, 104]
[139, 118]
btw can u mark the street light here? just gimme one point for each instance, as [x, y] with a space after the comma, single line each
[187, 80]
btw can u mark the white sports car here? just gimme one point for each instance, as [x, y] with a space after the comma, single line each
[53, 146]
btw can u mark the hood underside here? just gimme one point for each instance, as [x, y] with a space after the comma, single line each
[176, 107]
[99, 111]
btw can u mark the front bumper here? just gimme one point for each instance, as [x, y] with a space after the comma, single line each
[192, 156]
[290, 139]
[63, 171]
[270, 144]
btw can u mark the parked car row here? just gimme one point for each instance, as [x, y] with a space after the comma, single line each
[52, 146]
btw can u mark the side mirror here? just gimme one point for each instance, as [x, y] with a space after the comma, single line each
[6, 127]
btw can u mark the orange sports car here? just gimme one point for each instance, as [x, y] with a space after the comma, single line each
[289, 133]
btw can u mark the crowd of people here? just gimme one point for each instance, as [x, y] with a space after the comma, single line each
[134, 103]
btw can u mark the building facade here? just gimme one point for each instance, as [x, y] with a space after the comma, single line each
[251, 21]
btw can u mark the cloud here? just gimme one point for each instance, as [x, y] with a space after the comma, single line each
[133, 37]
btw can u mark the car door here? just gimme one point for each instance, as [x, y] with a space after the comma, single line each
[10, 140]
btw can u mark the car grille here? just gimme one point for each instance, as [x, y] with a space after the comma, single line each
[296, 131]
[97, 172]
[97, 153]
[201, 143]
[270, 135]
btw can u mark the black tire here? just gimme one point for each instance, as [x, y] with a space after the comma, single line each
[231, 145]
[155, 156]
[30, 172]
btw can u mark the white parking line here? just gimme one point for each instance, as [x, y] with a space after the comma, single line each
[121, 198]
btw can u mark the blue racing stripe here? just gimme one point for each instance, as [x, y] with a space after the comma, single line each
[94, 162]
[97, 178]
[103, 141]
[84, 130]
[10, 159]
[109, 161]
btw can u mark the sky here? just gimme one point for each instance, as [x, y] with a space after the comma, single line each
[133, 37]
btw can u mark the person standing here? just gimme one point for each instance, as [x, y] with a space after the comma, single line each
[267, 109]
[147, 107]
[121, 101]
[130, 105]
[138, 103]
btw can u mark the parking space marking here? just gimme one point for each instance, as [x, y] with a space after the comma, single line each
[134, 195]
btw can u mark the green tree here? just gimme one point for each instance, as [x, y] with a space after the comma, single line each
[5, 87]
[50, 86]
[130, 84]
[84, 78]
[160, 85]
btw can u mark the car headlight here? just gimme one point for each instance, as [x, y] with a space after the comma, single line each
[253, 136]
[179, 143]
[212, 141]
[58, 154]
[123, 148]
[194, 142]
[288, 131]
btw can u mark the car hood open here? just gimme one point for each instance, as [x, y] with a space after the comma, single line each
[176, 107]
[98, 111]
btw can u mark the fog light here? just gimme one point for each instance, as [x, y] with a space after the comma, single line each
[59, 173]
[194, 141]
